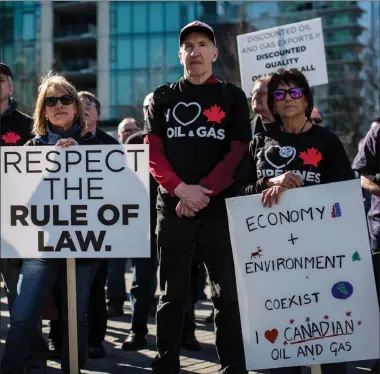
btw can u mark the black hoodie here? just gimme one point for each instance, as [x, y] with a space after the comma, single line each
[15, 127]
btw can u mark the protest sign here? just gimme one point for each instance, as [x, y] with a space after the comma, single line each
[304, 276]
[77, 202]
[298, 45]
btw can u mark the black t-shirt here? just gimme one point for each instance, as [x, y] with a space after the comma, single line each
[317, 155]
[197, 124]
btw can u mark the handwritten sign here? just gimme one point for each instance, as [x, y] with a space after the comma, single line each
[297, 45]
[82, 202]
[304, 276]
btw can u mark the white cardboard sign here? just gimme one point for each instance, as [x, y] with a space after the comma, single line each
[305, 280]
[82, 202]
[297, 45]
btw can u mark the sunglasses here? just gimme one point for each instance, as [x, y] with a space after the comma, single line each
[53, 100]
[295, 93]
[317, 121]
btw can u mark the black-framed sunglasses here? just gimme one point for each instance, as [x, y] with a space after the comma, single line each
[316, 121]
[53, 100]
[295, 93]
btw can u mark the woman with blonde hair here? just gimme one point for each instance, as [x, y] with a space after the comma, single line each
[58, 120]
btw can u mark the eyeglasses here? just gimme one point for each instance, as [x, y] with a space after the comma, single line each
[316, 121]
[295, 93]
[53, 100]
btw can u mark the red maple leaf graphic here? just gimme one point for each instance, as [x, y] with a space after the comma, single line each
[348, 314]
[11, 137]
[291, 321]
[359, 323]
[311, 156]
[307, 319]
[214, 114]
[326, 317]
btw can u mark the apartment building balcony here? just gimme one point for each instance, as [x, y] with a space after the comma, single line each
[76, 34]
[84, 69]
[344, 42]
[74, 7]
[297, 11]
[347, 25]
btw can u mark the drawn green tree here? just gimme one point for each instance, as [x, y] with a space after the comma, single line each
[356, 256]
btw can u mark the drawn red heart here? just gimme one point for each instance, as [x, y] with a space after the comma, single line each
[271, 335]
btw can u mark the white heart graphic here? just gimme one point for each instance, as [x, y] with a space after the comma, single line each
[286, 151]
[187, 105]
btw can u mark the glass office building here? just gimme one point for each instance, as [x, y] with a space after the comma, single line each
[144, 49]
[20, 47]
[122, 50]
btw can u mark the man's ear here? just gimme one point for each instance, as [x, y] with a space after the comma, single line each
[10, 90]
[180, 57]
[215, 57]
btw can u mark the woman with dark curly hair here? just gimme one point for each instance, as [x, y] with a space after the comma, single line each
[292, 153]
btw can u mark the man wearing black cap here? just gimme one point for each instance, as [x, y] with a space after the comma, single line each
[198, 130]
[15, 127]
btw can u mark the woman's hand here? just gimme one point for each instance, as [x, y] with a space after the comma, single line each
[271, 195]
[68, 142]
[288, 180]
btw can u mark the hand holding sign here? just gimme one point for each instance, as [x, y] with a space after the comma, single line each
[271, 195]
[67, 142]
[288, 180]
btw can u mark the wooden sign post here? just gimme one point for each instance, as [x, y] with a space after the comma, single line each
[72, 315]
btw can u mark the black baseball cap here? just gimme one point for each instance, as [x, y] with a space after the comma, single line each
[197, 26]
[6, 69]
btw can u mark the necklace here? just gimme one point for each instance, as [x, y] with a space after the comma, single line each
[284, 130]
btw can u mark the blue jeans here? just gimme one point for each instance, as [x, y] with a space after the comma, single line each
[116, 279]
[36, 282]
[10, 270]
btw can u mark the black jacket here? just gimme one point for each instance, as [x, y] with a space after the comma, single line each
[88, 139]
[257, 124]
[15, 126]
[104, 138]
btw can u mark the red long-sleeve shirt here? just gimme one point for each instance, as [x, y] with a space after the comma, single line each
[197, 134]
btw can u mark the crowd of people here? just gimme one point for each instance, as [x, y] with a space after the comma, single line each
[204, 148]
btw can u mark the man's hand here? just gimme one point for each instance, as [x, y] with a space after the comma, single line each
[64, 143]
[193, 195]
[183, 210]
